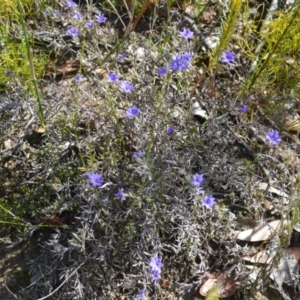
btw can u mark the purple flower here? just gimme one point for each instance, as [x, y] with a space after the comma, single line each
[132, 112]
[120, 194]
[198, 180]
[121, 56]
[244, 108]
[162, 71]
[95, 178]
[208, 202]
[71, 4]
[181, 62]
[155, 268]
[227, 57]
[100, 18]
[155, 274]
[141, 294]
[112, 77]
[187, 56]
[273, 137]
[176, 62]
[89, 24]
[138, 154]
[72, 31]
[199, 191]
[78, 78]
[156, 263]
[186, 33]
[126, 86]
[170, 130]
[77, 15]
[56, 13]
[7, 73]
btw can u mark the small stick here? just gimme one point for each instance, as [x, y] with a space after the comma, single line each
[146, 5]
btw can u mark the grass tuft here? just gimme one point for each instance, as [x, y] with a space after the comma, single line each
[227, 30]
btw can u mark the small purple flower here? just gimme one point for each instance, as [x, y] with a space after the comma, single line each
[95, 179]
[227, 57]
[273, 137]
[121, 56]
[181, 62]
[198, 180]
[71, 4]
[112, 77]
[156, 263]
[7, 73]
[126, 86]
[187, 56]
[120, 194]
[138, 154]
[186, 33]
[162, 71]
[155, 274]
[100, 18]
[77, 15]
[78, 78]
[199, 191]
[72, 31]
[89, 24]
[56, 13]
[141, 294]
[170, 130]
[132, 112]
[244, 108]
[176, 62]
[208, 202]
[155, 268]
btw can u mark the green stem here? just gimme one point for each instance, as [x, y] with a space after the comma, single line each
[31, 65]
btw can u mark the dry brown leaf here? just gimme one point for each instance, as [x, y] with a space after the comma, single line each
[265, 257]
[190, 10]
[262, 232]
[292, 123]
[265, 186]
[69, 67]
[262, 257]
[101, 72]
[268, 205]
[225, 284]
[91, 124]
[208, 16]
[288, 267]
[244, 221]
[295, 251]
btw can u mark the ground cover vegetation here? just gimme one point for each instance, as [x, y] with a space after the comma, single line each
[149, 149]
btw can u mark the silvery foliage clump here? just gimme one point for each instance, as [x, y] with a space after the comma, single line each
[107, 252]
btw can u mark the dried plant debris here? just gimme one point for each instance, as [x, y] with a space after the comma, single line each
[271, 189]
[283, 265]
[223, 285]
[264, 231]
[262, 257]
